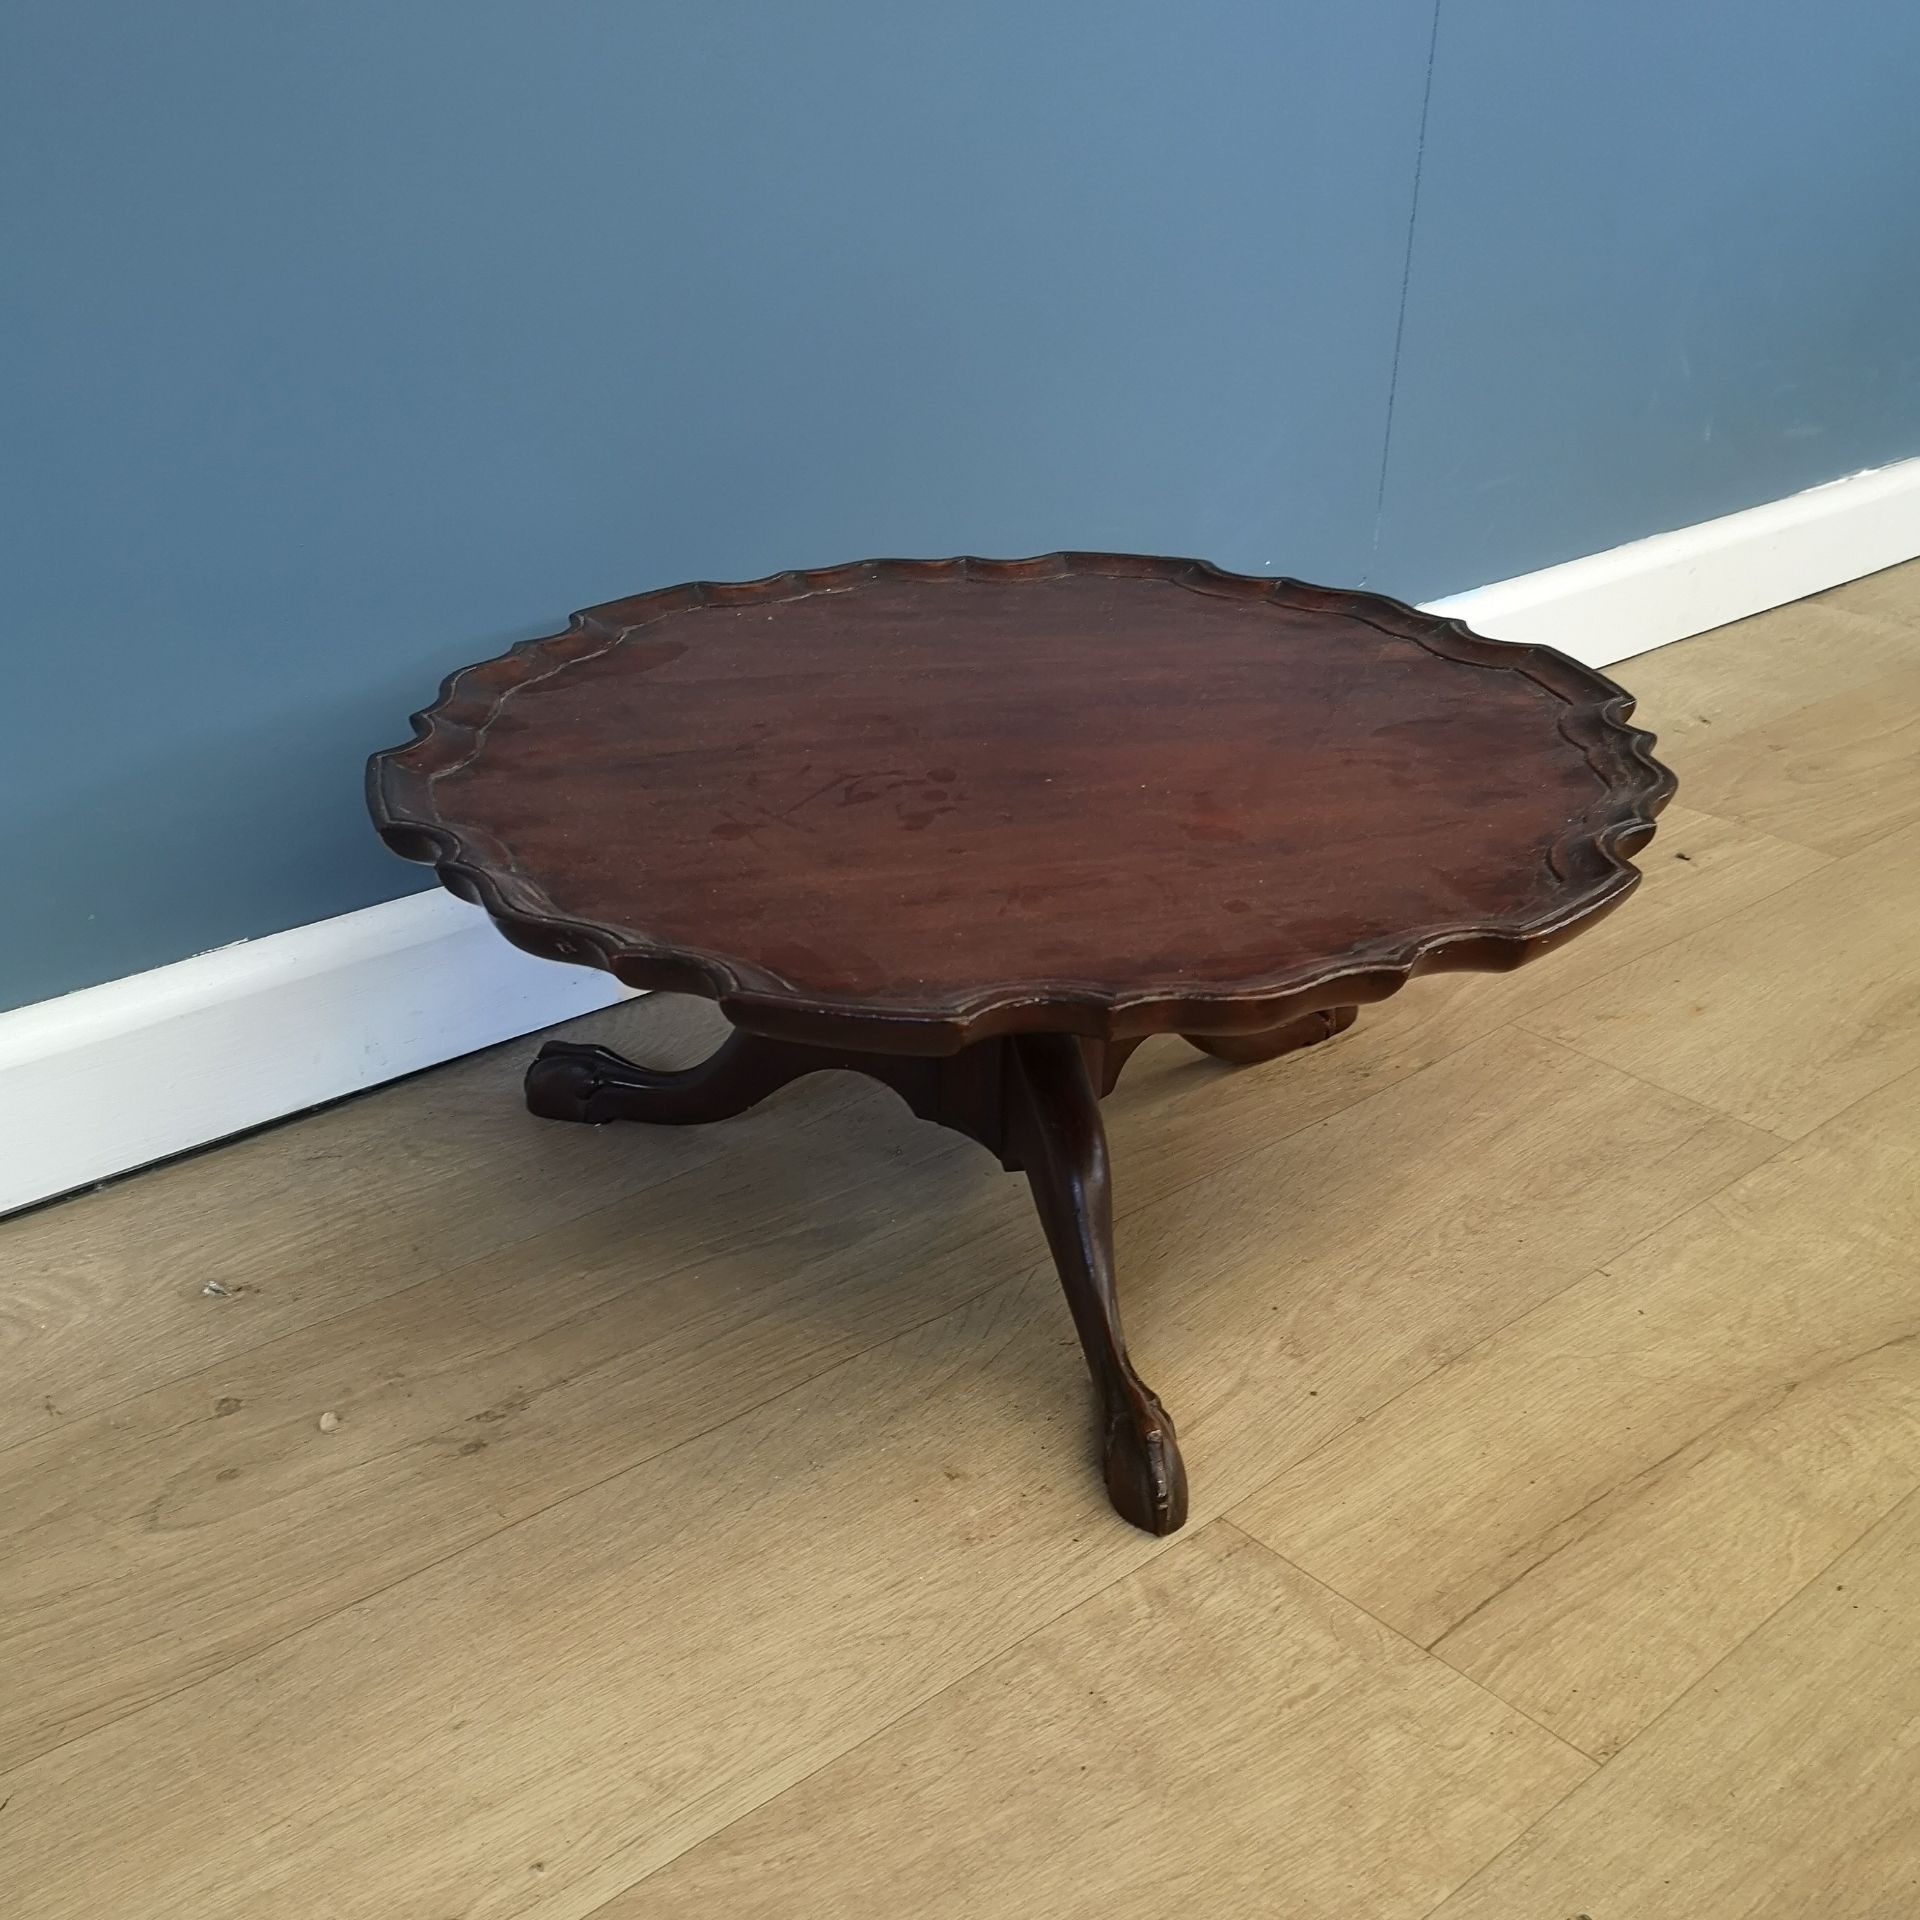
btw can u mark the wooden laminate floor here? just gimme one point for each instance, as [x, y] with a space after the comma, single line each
[419, 1511]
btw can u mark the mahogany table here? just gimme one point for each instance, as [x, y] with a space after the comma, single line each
[977, 828]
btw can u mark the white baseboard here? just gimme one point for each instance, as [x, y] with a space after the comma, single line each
[116, 1076]
[1610, 606]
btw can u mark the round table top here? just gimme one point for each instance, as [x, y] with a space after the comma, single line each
[904, 805]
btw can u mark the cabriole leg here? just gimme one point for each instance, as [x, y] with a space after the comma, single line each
[1055, 1135]
[572, 1081]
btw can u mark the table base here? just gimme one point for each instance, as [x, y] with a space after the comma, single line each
[1031, 1099]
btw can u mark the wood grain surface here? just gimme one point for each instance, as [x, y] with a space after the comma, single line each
[903, 805]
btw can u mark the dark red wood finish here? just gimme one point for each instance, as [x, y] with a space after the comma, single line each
[904, 805]
[932, 820]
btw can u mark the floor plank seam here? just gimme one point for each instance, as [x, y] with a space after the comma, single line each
[1404, 1638]
[1706, 1674]
[1786, 1140]
[1764, 1400]
[1151, 1552]
[1673, 1093]
[1742, 1411]
[1445, 1365]
[1485, 1341]
[1702, 1679]
[1433, 1373]
[1881, 839]
[1520, 1839]
[1840, 1113]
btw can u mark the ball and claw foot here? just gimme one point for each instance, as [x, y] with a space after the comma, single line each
[1146, 1477]
[564, 1078]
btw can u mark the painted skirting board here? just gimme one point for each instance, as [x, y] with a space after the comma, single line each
[116, 1076]
[1610, 606]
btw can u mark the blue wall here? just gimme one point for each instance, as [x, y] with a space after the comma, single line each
[1665, 264]
[348, 342]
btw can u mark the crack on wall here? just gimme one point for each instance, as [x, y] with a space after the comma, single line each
[1400, 318]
